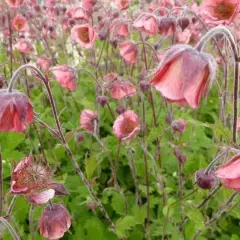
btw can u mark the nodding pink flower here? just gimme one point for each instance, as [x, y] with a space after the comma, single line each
[33, 181]
[55, 220]
[229, 173]
[184, 75]
[14, 3]
[44, 63]
[24, 46]
[19, 23]
[147, 23]
[87, 119]
[66, 76]
[50, 3]
[84, 35]
[122, 4]
[119, 28]
[126, 126]
[117, 87]
[167, 26]
[129, 51]
[88, 4]
[78, 13]
[216, 12]
[16, 111]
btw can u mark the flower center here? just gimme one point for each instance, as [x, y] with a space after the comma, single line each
[84, 35]
[225, 10]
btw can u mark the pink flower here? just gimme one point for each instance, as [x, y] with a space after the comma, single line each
[24, 46]
[184, 37]
[147, 23]
[238, 125]
[66, 76]
[216, 12]
[122, 4]
[16, 111]
[14, 3]
[87, 119]
[44, 63]
[128, 50]
[119, 28]
[50, 3]
[118, 88]
[88, 4]
[167, 26]
[19, 23]
[126, 126]
[184, 75]
[84, 35]
[229, 173]
[78, 13]
[54, 221]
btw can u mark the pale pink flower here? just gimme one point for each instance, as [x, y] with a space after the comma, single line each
[229, 173]
[184, 75]
[24, 46]
[88, 4]
[216, 12]
[122, 4]
[55, 220]
[19, 23]
[14, 3]
[129, 51]
[84, 35]
[147, 23]
[126, 126]
[44, 63]
[66, 76]
[119, 28]
[87, 119]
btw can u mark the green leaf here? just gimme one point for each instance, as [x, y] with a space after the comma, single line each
[90, 166]
[196, 216]
[124, 224]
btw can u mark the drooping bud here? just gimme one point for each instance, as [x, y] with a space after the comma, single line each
[102, 100]
[179, 155]
[144, 86]
[169, 118]
[183, 22]
[167, 25]
[179, 125]
[79, 137]
[120, 110]
[205, 180]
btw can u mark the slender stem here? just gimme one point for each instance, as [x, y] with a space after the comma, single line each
[12, 231]
[31, 222]
[235, 101]
[10, 43]
[1, 185]
[180, 185]
[11, 206]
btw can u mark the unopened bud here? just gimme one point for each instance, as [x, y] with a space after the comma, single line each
[179, 125]
[205, 180]
[120, 110]
[79, 137]
[179, 155]
[144, 86]
[183, 22]
[102, 100]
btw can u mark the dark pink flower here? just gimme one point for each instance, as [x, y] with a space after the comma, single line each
[229, 173]
[184, 75]
[87, 119]
[122, 4]
[14, 3]
[19, 23]
[147, 23]
[167, 26]
[24, 46]
[66, 76]
[84, 35]
[216, 12]
[126, 126]
[54, 221]
[129, 51]
[119, 28]
[16, 111]
[44, 63]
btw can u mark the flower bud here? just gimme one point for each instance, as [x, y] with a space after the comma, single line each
[120, 110]
[183, 22]
[114, 43]
[102, 100]
[167, 25]
[102, 36]
[179, 155]
[144, 86]
[169, 119]
[205, 180]
[79, 137]
[179, 125]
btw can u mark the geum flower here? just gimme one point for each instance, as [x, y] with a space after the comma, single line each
[16, 111]
[229, 173]
[117, 87]
[87, 120]
[216, 12]
[54, 221]
[126, 126]
[19, 23]
[129, 51]
[66, 76]
[84, 35]
[24, 46]
[14, 3]
[34, 181]
[147, 23]
[184, 75]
